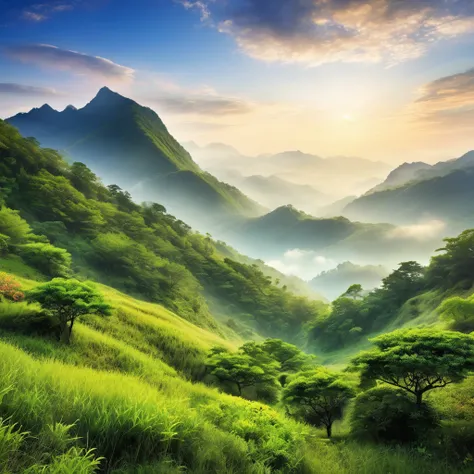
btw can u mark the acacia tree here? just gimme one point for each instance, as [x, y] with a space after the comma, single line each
[320, 397]
[68, 300]
[417, 360]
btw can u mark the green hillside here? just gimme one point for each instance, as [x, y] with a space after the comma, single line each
[69, 223]
[113, 358]
[130, 146]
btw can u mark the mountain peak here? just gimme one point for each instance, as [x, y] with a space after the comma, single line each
[106, 98]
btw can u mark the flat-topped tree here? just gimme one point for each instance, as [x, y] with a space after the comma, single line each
[68, 300]
[417, 360]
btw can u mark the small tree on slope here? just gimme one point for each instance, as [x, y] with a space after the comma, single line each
[320, 397]
[417, 360]
[68, 300]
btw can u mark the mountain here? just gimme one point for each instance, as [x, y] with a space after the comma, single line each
[273, 191]
[335, 176]
[130, 146]
[285, 230]
[443, 192]
[335, 282]
[335, 208]
[403, 174]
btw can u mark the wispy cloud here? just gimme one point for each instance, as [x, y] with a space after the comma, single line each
[204, 105]
[44, 10]
[318, 31]
[447, 101]
[52, 57]
[25, 90]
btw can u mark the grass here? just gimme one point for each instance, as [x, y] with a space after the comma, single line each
[123, 398]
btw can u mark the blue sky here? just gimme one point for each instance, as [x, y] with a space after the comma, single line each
[386, 79]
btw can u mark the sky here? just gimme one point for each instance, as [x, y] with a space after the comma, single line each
[389, 80]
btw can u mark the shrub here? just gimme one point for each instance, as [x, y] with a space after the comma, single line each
[27, 319]
[391, 415]
[10, 288]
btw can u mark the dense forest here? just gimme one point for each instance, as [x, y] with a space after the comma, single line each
[131, 344]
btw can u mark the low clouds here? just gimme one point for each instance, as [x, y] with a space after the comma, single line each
[204, 105]
[420, 232]
[318, 31]
[447, 101]
[49, 56]
[26, 91]
[305, 264]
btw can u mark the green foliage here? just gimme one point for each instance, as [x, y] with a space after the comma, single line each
[455, 266]
[13, 226]
[417, 360]
[319, 397]
[138, 248]
[48, 259]
[242, 370]
[68, 300]
[390, 415]
[459, 312]
[353, 316]
[27, 319]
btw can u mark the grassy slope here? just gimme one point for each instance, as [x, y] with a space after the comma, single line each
[125, 385]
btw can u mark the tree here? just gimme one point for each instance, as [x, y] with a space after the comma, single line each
[417, 360]
[354, 291]
[390, 414]
[320, 396]
[456, 264]
[240, 369]
[68, 300]
[404, 283]
[290, 358]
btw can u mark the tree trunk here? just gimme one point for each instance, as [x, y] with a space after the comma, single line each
[419, 398]
[329, 430]
[65, 337]
[239, 388]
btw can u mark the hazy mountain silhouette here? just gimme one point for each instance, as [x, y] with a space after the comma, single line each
[131, 146]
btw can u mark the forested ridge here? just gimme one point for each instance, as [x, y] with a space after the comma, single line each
[60, 219]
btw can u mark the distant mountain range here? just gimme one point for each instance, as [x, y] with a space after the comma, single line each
[417, 192]
[334, 177]
[130, 146]
[338, 238]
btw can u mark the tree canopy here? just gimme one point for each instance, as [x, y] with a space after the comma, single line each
[68, 300]
[319, 396]
[417, 360]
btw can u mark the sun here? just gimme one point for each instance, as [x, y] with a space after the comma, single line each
[348, 118]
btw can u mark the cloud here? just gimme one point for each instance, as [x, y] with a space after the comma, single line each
[42, 11]
[319, 31]
[447, 101]
[421, 232]
[49, 56]
[23, 90]
[204, 105]
[305, 264]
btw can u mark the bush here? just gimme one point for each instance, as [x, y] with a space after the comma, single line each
[10, 289]
[47, 258]
[389, 415]
[27, 319]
